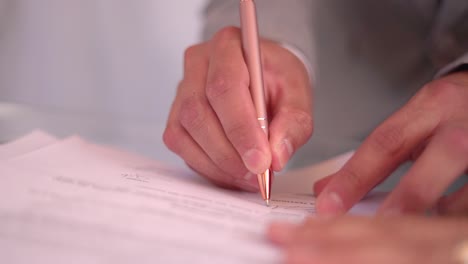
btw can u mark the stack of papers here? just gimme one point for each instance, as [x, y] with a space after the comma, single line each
[71, 201]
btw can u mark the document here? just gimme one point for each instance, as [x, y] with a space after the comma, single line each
[34, 140]
[71, 201]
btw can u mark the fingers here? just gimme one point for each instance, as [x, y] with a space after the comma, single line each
[193, 124]
[385, 149]
[361, 251]
[444, 159]
[214, 109]
[290, 129]
[291, 117]
[282, 233]
[227, 90]
[368, 240]
[320, 185]
[200, 121]
[455, 204]
[178, 141]
[324, 241]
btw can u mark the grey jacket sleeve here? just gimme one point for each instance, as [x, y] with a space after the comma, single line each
[449, 38]
[283, 21]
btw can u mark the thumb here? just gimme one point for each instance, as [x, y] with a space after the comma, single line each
[290, 103]
[290, 128]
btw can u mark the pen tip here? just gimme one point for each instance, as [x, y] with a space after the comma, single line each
[267, 203]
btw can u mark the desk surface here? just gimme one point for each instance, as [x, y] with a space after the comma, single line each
[140, 136]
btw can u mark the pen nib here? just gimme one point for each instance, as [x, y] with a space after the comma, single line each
[267, 203]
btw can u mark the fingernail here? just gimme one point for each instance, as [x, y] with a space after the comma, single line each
[281, 233]
[284, 151]
[255, 161]
[330, 204]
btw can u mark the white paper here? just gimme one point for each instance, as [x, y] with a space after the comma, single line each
[76, 202]
[73, 202]
[302, 180]
[33, 141]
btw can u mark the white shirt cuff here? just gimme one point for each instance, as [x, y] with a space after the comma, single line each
[452, 66]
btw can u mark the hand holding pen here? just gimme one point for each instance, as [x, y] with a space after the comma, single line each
[253, 59]
[213, 122]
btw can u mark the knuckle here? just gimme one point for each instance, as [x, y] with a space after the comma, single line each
[389, 140]
[441, 93]
[231, 167]
[171, 137]
[217, 86]
[442, 88]
[238, 133]
[183, 85]
[191, 53]
[457, 139]
[192, 114]
[226, 158]
[353, 178]
[227, 34]
[305, 122]
[225, 80]
[418, 200]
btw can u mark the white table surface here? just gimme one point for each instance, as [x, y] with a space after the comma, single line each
[141, 136]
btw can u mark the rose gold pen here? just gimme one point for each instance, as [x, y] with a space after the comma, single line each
[251, 47]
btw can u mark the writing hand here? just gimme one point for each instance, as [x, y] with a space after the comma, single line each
[213, 125]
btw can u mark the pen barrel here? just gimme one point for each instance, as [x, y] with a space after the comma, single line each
[253, 59]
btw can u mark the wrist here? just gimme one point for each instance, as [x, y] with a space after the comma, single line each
[302, 57]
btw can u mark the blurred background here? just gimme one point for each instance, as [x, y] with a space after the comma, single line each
[106, 70]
